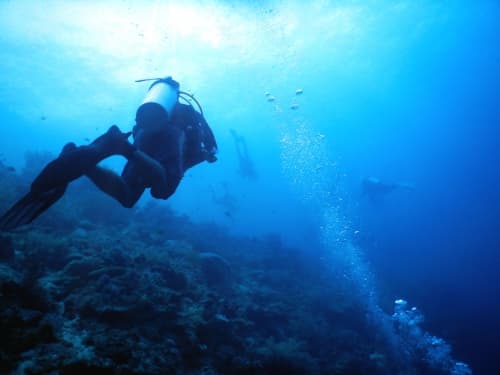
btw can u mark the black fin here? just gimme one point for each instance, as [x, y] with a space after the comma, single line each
[29, 208]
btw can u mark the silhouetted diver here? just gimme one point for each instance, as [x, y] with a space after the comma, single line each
[246, 165]
[169, 138]
[375, 189]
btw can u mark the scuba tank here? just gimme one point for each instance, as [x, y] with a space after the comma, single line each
[156, 108]
[155, 114]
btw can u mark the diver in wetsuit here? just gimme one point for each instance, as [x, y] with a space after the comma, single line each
[169, 138]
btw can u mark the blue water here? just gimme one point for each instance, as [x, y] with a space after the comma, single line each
[407, 92]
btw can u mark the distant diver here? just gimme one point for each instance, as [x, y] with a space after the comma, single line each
[375, 189]
[169, 138]
[247, 168]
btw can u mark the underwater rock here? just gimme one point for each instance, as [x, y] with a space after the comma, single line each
[215, 268]
[6, 248]
[80, 232]
[30, 316]
[22, 331]
[218, 332]
[80, 268]
[10, 280]
[173, 279]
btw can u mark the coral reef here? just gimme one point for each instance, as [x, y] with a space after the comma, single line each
[94, 288]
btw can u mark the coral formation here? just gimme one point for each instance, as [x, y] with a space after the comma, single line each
[94, 288]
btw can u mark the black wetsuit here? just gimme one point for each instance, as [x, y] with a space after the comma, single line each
[179, 144]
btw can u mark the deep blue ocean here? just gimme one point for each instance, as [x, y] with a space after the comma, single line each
[322, 100]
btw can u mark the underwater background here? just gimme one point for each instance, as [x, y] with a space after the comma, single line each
[286, 255]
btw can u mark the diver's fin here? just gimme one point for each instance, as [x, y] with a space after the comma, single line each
[29, 208]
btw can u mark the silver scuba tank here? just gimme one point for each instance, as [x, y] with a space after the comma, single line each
[156, 109]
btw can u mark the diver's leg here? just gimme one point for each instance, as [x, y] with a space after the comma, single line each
[65, 168]
[152, 172]
[143, 171]
[140, 172]
[115, 186]
[49, 186]
[173, 169]
[78, 160]
[165, 191]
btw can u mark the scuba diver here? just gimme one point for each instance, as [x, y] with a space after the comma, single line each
[246, 165]
[375, 189]
[169, 138]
